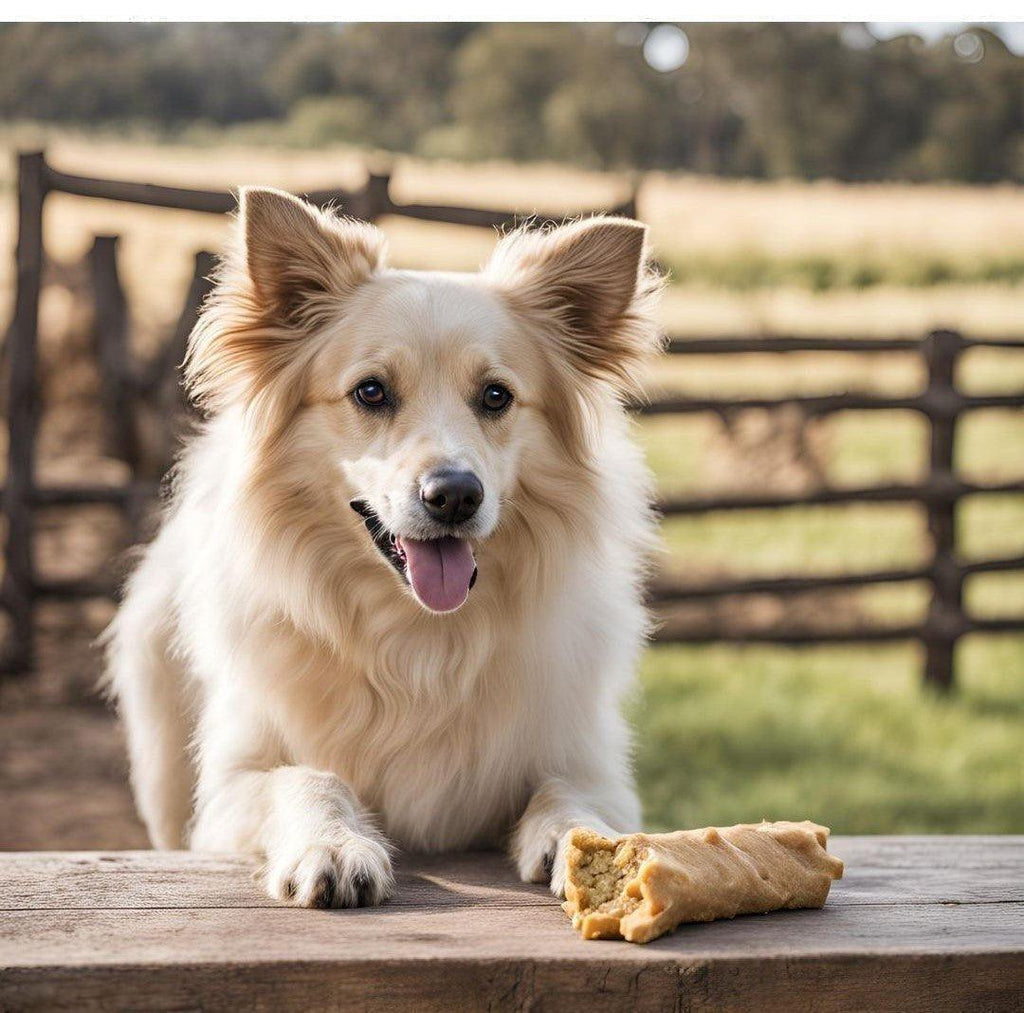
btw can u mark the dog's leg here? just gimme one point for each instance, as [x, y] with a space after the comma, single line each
[556, 807]
[153, 699]
[320, 845]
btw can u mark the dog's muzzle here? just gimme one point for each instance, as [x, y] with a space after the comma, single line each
[440, 571]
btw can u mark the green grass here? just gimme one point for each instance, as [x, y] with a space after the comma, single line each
[860, 536]
[844, 736]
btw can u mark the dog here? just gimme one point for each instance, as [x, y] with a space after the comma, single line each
[396, 596]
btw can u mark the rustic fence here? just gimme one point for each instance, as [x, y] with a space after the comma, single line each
[126, 383]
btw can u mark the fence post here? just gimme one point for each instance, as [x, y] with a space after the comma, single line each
[171, 398]
[376, 196]
[23, 411]
[628, 208]
[945, 622]
[113, 352]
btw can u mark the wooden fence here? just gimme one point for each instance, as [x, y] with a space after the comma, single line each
[125, 384]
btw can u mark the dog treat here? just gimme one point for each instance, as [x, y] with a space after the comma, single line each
[640, 886]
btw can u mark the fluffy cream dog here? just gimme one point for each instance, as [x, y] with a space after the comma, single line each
[396, 595]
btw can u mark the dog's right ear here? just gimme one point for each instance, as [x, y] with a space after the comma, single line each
[290, 270]
[299, 257]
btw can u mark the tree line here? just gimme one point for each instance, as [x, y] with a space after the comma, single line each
[765, 101]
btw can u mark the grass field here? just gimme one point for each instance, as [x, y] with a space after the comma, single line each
[843, 735]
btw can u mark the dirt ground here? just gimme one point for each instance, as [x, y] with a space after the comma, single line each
[63, 776]
[62, 781]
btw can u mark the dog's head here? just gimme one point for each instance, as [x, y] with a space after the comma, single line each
[420, 399]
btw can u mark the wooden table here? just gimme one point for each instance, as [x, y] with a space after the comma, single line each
[919, 923]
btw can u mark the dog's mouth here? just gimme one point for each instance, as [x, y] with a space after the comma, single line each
[440, 571]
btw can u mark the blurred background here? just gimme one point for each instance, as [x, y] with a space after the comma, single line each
[817, 181]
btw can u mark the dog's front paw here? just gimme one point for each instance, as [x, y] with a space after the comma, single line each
[355, 872]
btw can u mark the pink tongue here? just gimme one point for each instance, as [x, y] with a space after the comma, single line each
[440, 571]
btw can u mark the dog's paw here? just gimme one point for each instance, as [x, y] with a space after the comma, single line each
[353, 873]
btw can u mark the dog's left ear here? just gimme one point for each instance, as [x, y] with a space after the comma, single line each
[297, 255]
[591, 280]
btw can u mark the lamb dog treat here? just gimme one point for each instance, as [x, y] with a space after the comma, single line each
[640, 886]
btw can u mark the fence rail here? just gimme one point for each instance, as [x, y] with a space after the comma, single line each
[371, 202]
[125, 384]
[781, 343]
[937, 487]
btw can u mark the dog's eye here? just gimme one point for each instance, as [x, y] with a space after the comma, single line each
[495, 397]
[372, 394]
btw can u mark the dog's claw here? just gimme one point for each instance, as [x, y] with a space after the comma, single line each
[549, 863]
[362, 890]
[325, 891]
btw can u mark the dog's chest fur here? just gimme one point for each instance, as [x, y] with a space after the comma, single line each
[439, 736]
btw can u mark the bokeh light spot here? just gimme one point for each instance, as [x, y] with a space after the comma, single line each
[969, 47]
[666, 48]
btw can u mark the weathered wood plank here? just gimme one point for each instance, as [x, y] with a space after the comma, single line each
[148, 880]
[918, 924]
[487, 932]
[906, 870]
[904, 983]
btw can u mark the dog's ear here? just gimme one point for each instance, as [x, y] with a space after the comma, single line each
[290, 269]
[591, 281]
[298, 257]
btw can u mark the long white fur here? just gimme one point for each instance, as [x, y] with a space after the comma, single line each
[285, 695]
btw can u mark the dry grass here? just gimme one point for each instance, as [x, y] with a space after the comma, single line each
[688, 216]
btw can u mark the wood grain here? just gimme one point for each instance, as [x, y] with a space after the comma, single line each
[918, 923]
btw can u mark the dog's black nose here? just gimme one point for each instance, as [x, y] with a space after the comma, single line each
[451, 496]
